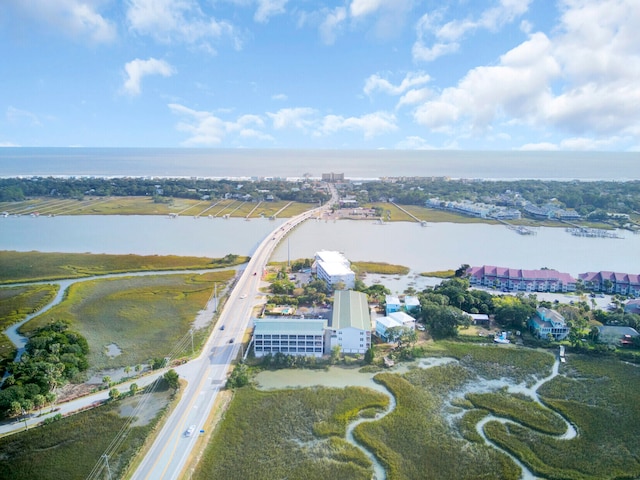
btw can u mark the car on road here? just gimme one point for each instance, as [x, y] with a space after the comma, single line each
[243, 296]
[190, 430]
[231, 340]
[222, 327]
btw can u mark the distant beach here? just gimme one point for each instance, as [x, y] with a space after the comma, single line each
[355, 164]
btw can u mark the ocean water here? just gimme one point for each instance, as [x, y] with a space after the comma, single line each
[355, 164]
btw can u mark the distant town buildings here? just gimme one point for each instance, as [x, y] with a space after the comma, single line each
[333, 177]
[334, 268]
[480, 210]
[550, 212]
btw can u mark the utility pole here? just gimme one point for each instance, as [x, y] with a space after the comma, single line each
[215, 297]
[191, 332]
[106, 461]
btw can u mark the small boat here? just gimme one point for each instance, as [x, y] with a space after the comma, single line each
[501, 338]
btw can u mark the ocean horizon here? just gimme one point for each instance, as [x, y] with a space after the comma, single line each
[290, 163]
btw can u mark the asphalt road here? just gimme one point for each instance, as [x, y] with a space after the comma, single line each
[207, 374]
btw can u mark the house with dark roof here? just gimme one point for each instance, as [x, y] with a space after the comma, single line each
[616, 335]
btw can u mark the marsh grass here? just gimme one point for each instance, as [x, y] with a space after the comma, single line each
[432, 432]
[37, 266]
[495, 361]
[415, 442]
[379, 268]
[144, 316]
[15, 304]
[601, 398]
[70, 447]
[289, 434]
[18, 302]
[523, 410]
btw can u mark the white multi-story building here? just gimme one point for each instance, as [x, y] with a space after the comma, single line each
[351, 322]
[334, 268]
[291, 337]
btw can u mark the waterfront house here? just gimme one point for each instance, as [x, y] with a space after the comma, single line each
[548, 322]
[393, 320]
[411, 304]
[392, 304]
[616, 335]
[481, 319]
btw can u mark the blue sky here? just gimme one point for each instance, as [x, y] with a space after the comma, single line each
[352, 74]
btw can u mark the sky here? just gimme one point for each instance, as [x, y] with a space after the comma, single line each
[353, 74]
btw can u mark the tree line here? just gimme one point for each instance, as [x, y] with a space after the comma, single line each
[18, 189]
[585, 197]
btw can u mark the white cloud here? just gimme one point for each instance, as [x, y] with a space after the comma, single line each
[331, 24]
[360, 8]
[447, 36]
[414, 97]
[178, 20]
[137, 69]
[8, 144]
[378, 83]
[73, 17]
[370, 125]
[279, 97]
[293, 118]
[22, 117]
[204, 128]
[515, 88]
[269, 8]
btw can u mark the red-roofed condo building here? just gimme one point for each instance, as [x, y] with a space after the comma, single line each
[612, 282]
[521, 280]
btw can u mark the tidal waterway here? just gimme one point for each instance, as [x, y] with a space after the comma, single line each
[438, 246]
[338, 377]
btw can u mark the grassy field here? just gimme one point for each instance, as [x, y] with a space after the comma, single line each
[15, 304]
[18, 267]
[147, 206]
[289, 434]
[144, 316]
[70, 447]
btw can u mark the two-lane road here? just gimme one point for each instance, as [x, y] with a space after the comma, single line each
[208, 373]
